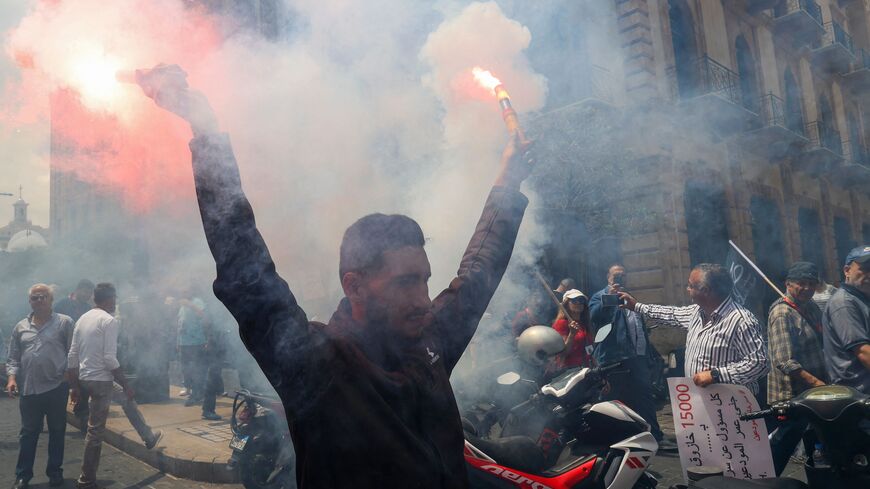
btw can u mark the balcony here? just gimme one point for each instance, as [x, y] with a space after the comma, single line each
[824, 151]
[711, 91]
[800, 19]
[834, 52]
[856, 170]
[858, 77]
[773, 134]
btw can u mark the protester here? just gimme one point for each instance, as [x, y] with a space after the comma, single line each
[191, 344]
[846, 323]
[794, 328]
[724, 342]
[626, 343]
[575, 330]
[35, 366]
[823, 294]
[78, 303]
[93, 364]
[373, 384]
[537, 311]
[565, 285]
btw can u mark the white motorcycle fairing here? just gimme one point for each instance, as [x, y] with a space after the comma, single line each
[638, 451]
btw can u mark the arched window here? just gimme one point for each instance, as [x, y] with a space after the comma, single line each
[746, 70]
[794, 117]
[683, 41]
[706, 221]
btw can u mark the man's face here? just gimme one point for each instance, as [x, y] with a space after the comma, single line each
[397, 294]
[695, 288]
[40, 300]
[84, 295]
[801, 290]
[858, 276]
[616, 275]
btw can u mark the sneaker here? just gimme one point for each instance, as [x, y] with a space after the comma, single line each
[192, 401]
[212, 416]
[153, 442]
[184, 392]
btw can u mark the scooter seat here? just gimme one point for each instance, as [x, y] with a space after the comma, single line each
[517, 452]
[730, 483]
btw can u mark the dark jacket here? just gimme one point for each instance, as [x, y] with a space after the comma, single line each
[618, 345]
[363, 409]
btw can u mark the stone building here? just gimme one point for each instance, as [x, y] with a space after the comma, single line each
[20, 233]
[733, 119]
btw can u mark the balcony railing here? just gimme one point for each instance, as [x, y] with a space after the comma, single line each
[862, 60]
[822, 135]
[772, 110]
[704, 76]
[792, 6]
[835, 34]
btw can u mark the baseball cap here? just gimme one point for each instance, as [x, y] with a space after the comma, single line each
[573, 294]
[860, 254]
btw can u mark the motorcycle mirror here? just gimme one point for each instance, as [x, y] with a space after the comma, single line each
[509, 378]
[602, 333]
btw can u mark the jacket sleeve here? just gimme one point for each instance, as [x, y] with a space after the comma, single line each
[458, 308]
[271, 324]
[600, 315]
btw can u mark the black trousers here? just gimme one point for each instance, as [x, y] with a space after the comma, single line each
[50, 406]
[193, 369]
[214, 384]
[635, 391]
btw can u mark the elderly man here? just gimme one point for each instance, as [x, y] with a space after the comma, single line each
[795, 343]
[35, 366]
[846, 323]
[93, 365]
[724, 342]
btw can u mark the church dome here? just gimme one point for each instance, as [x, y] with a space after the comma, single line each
[25, 240]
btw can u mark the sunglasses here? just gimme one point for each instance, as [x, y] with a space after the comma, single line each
[38, 298]
[577, 300]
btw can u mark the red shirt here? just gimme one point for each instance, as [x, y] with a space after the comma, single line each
[576, 356]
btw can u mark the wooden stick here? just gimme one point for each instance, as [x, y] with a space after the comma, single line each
[758, 270]
[553, 296]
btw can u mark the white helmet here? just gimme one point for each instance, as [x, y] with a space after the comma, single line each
[538, 344]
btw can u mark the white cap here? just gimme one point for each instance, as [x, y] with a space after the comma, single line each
[573, 294]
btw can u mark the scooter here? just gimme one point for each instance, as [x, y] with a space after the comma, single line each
[261, 444]
[559, 439]
[835, 413]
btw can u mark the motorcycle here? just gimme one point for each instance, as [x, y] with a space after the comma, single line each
[262, 449]
[559, 437]
[835, 413]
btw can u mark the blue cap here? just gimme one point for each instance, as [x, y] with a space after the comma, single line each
[860, 254]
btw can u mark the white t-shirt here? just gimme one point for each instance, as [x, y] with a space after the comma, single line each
[95, 346]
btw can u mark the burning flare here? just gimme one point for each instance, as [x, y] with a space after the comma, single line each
[485, 79]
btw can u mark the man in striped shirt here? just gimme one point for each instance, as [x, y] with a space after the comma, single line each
[724, 342]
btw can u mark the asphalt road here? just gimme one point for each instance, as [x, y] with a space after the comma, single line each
[117, 469]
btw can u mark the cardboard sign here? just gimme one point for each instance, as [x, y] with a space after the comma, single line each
[709, 431]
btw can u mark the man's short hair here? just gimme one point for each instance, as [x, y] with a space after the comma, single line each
[85, 284]
[40, 286]
[568, 283]
[366, 240]
[716, 277]
[103, 292]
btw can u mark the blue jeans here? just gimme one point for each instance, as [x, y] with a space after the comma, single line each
[50, 405]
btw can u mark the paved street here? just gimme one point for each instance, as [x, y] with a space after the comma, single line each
[117, 469]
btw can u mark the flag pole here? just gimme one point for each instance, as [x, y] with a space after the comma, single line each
[758, 270]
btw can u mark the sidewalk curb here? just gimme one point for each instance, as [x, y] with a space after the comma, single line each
[200, 469]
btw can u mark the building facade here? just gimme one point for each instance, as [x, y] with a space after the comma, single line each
[21, 229]
[739, 119]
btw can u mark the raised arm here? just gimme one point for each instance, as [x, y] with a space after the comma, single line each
[458, 308]
[272, 325]
[668, 316]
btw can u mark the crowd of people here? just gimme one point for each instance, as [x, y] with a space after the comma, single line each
[367, 395]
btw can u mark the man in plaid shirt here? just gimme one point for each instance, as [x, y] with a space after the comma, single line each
[795, 348]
